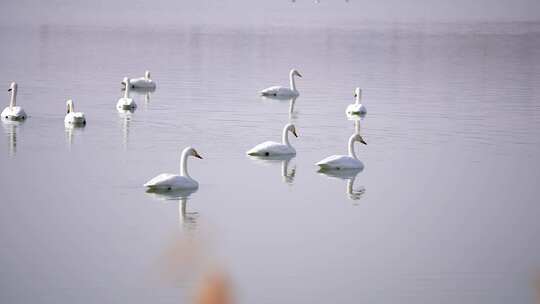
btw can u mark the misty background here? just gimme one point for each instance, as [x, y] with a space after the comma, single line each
[301, 13]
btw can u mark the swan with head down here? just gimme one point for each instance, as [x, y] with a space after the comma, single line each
[272, 148]
[280, 91]
[13, 112]
[344, 162]
[168, 181]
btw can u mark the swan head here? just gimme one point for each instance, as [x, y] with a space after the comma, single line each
[69, 105]
[125, 81]
[292, 128]
[294, 72]
[358, 138]
[147, 74]
[358, 93]
[12, 87]
[192, 152]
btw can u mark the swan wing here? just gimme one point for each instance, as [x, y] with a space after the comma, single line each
[163, 179]
[339, 162]
[271, 148]
[278, 91]
[171, 181]
[272, 91]
[142, 83]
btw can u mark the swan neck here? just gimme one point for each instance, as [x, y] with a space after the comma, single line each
[285, 136]
[292, 83]
[352, 153]
[183, 164]
[126, 92]
[291, 106]
[359, 98]
[13, 101]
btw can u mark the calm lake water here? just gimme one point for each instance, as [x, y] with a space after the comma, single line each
[445, 211]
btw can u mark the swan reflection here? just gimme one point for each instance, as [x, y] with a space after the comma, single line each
[126, 117]
[286, 173]
[146, 93]
[292, 113]
[292, 102]
[10, 129]
[187, 220]
[349, 175]
[71, 130]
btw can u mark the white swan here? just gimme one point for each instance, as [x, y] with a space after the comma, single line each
[126, 102]
[344, 162]
[13, 112]
[72, 117]
[279, 91]
[357, 108]
[272, 148]
[168, 181]
[143, 82]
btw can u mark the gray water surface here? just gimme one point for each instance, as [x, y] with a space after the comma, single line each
[445, 211]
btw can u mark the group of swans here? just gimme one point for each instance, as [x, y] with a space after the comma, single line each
[13, 112]
[356, 108]
[268, 149]
[334, 162]
[145, 84]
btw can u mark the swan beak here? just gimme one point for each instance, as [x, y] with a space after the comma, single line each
[294, 133]
[197, 155]
[9, 90]
[363, 141]
[299, 75]
[355, 95]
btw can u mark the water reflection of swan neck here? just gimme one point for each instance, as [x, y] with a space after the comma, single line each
[287, 177]
[188, 220]
[11, 130]
[291, 107]
[357, 126]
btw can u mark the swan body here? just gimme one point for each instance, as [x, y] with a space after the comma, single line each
[280, 91]
[13, 112]
[72, 117]
[272, 148]
[344, 162]
[143, 82]
[357, 108]
[169, 181]
[126, 102]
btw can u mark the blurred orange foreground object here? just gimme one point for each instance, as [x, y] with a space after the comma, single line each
[214, 289]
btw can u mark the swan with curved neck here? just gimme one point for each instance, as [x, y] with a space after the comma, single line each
[72, 117]
[13, 112]
[272, 148]
[357, 108]
[280, 91]
[143, 82]
[126, 102]
[168, 181]
[344, 162]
